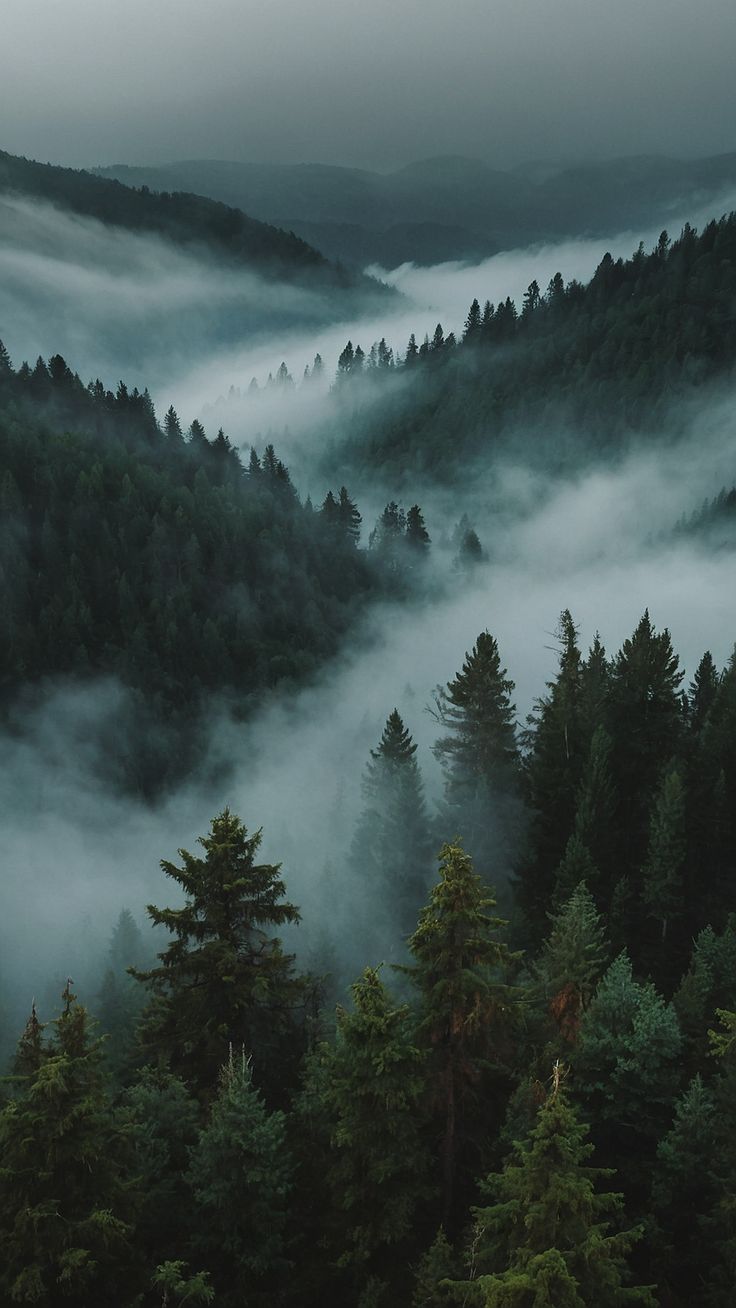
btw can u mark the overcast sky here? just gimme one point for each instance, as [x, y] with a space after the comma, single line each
[374, 83]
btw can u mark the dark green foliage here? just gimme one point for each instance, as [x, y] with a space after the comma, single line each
[224, 978]
[160, 1119]
[65, 1205]
[626, 1068]
[460, 969]
[599, 362]
[572, 961]
[479, 756]
[391, 851]
[240, 1176]
[687, 1189]
[545, 1241]
[371, 1084]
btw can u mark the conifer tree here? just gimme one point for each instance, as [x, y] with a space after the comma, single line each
[553, 772]
[373, 1084]
[626, 1064]
[348, 517]
[224, 978]
[479, 755]
[240, 1174]
[702, 692]
[662, 875]
[417, 535]
[172, 426]
[65, 1207]
[686, 1193]
[437, 1266]
[645, 720]
[595, 813]
[546, 1238]
[460, 968]
[576, 866]
[160, 1119]
[391, 849]
[572, 960]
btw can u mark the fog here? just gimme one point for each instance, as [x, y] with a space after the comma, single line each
[117, 303]
[74, 850]
[291, 81]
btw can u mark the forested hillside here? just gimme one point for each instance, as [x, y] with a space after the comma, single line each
[185, 219]
[535, 1113]
[575, 369]
[132, 549]
[447, 206]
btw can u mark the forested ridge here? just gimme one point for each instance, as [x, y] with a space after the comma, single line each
[493, 1062]
[574, 370]
[528, 1107]
[183, 219]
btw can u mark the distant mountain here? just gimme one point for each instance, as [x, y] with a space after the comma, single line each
[186, 220]
[447, 207]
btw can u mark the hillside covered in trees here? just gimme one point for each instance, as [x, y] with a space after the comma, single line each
[184, 219]
[534, 1106]
[574, 371]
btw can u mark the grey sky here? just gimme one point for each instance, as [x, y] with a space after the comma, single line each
[374, 83]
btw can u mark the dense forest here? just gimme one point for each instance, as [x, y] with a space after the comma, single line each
[447, 206]
[527, 1108]
[576, 370]
[185, 219]
[132, 549]
[493, 1061]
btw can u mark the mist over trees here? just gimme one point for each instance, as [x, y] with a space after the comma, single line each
[487, 1058]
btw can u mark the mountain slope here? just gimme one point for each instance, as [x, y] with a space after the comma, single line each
[452, 207]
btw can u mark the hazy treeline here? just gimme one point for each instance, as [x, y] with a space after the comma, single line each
[598, 363]
[431, 1145]
[132, 549]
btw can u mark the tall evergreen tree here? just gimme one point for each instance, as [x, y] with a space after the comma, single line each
[545, 1241]
[479, 755]
[391, 851]
[461, 969]
[240, 1175]
[627, 1065]
[373, 1084]
[572, 960]
[66, 1207]
[224, 978]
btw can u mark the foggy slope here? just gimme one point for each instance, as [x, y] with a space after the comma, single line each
[448, 207]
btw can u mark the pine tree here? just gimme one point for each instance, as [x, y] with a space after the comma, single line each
[479, 756]
[576, 866]
[686, 1192]
[391, 849]
[472, 324]
[572, 960]
[553, 773]
[223, 978]
[662, 874]
[435, 1268]
[240, 1175]
[595, 813]
[626, 1064]
[172, 426]
[645, 720]
[160, 1119]
[548, 1227]
[348, 517]
[417, 535]
[65, 1207]
[460, 968]
[702, 692]
[373, 1083]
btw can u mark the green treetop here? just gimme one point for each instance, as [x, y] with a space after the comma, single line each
[224, 978]
[547, 1238]
[460, 969]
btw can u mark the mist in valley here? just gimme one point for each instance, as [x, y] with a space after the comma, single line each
[598, 542]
